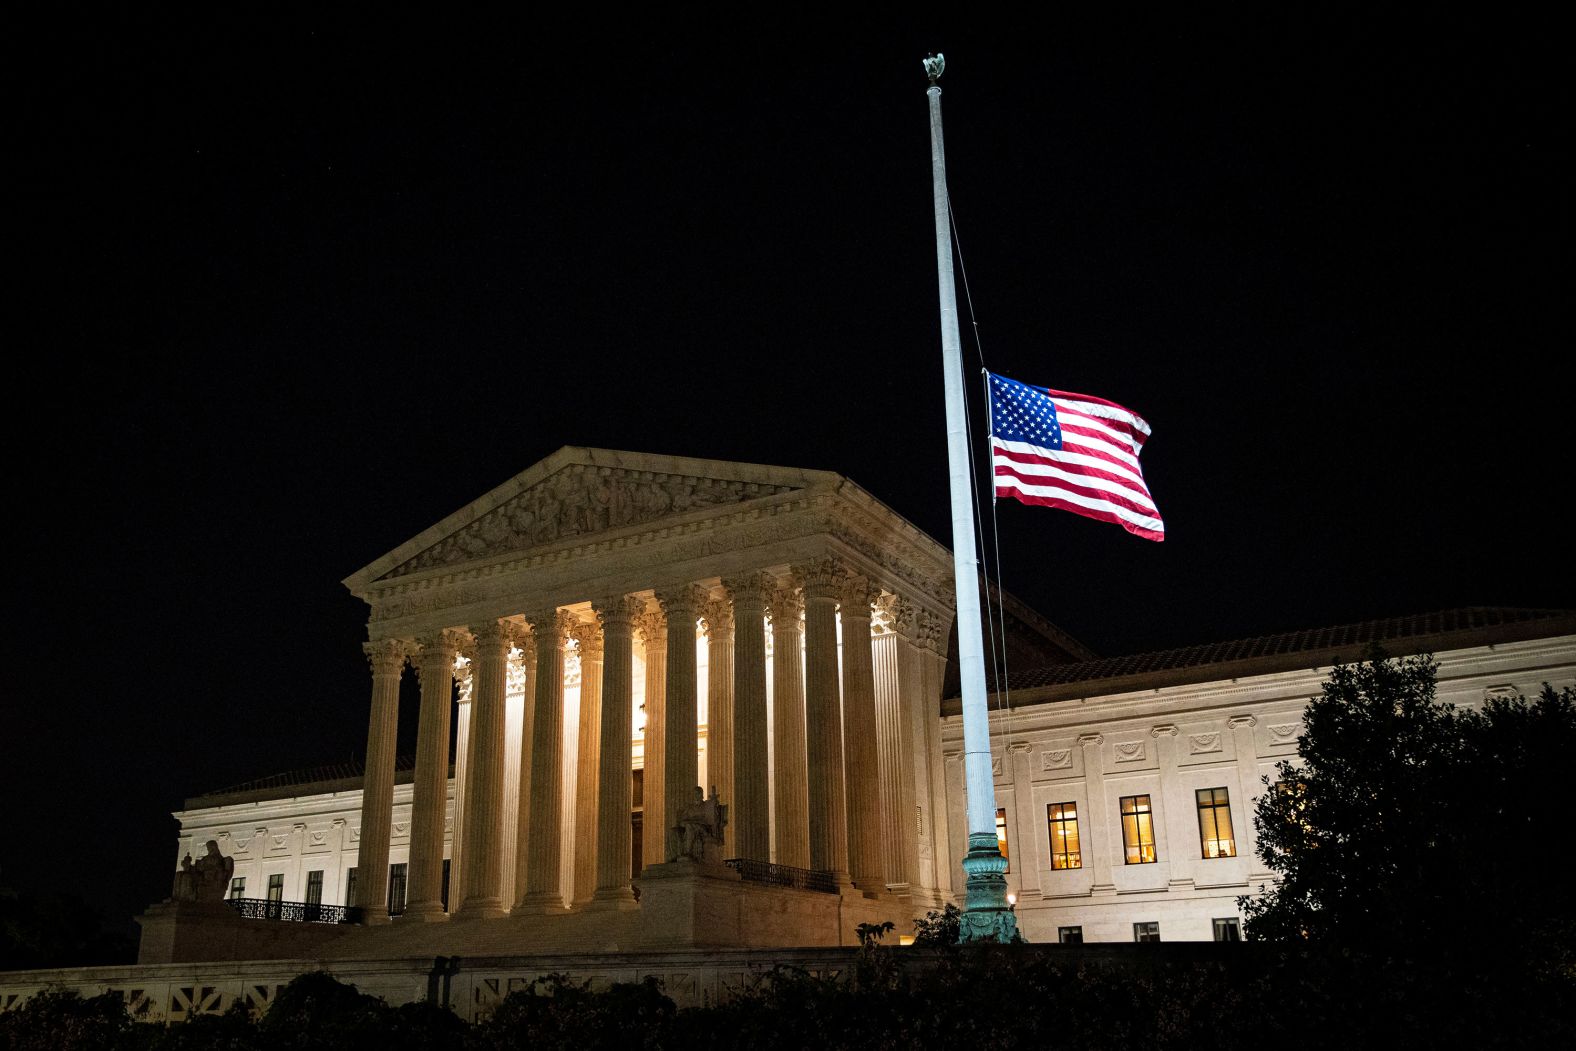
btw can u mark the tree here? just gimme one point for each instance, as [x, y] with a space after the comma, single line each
[1412, 838]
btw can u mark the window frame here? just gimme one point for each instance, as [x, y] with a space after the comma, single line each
[1212, 809]
[1052, 821]
[1001, 838]
[1231, 923]
[1143, 928]
[1070, 935]
[1143, 815]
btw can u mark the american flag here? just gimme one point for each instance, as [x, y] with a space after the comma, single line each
[1073, 452]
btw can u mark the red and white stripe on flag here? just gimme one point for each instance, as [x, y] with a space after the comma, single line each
[1071, 451]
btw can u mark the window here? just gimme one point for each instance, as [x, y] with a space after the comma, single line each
[1063, 819]
[1228, 930]
[1214, 823]
[1146, 932]
[445, 895]
[350, 885]
[314, 895]
[1070, 935]
[1138, 830]
[276, 894]
[238, 888]
[397, 889]
[1001, 836]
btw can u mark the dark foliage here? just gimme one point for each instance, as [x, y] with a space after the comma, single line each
[1408, 841]
[558, 1012]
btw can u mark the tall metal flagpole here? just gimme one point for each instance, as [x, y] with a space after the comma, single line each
[986, 916]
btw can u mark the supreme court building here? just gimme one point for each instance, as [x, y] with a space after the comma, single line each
[608, 633]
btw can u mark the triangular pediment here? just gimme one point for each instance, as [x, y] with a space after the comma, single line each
[577, 493]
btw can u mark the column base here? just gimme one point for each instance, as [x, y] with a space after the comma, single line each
[540, 904]
[424, 912]
[613, 899]
[481, 909]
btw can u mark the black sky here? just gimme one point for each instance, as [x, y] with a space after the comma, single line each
[286, 293]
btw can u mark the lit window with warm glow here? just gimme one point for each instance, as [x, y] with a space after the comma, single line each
[1001, 835]
[1063, 819]
[1138, 830]
[1214, 823]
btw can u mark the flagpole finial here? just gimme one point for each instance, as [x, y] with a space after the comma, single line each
[934, 65]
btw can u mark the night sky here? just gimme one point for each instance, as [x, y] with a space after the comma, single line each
[284, 294]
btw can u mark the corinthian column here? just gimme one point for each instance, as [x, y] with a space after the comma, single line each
[614, 804]
[387, 657]
[681, 727]
[788, 746]
[517, 773]
[750, 827]
[483, 826]
[654, 633]
[823, 718]
[719, 708]
[430, 792]
[544, 843]
[860, 731]
[587, 780]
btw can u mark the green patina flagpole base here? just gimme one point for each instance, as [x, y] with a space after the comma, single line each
[986, 915]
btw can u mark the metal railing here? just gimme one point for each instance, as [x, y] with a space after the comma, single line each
[782, 875]
[293, 911]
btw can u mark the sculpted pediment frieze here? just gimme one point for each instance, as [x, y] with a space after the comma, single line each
[579, 500]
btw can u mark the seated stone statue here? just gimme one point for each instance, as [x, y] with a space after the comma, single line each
[698, 835]
[206, 879]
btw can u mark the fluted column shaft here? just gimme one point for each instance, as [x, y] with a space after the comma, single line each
[483, 825]
[750, 828]
[513, 883]
[654, 840]
[792, 802]
[720, 710]
[614, 803]
[462, 750]
[429, 794]
[863, 761]
[387, 657]
[544, 841]
[681, 707]
[587, 769]
[823, 721]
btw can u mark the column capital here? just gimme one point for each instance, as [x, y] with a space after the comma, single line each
[682, 603]
[387, 656]
[1164, 730]
[786, 606]
[752, 589]
[895, 615]
[618, 609]
[554, 624]
[718, 617]
[439, 650]
[856, 595]
[1091, 740]
[588, 636]
[822, 578]
[1018, 748]
[652, 626]
[1239, 721]
[493, 637]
